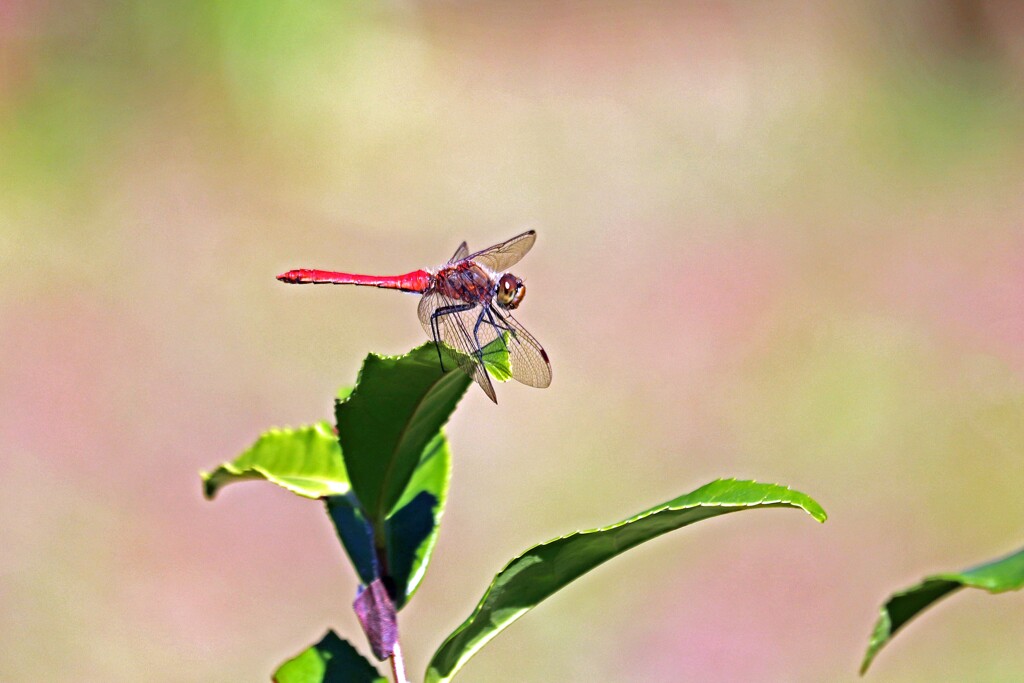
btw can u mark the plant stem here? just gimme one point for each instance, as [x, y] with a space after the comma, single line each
[398, 664]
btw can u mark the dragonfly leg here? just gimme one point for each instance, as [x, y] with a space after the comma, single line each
[476, 334]
[435, 334]
[490, 312]
[504, 326]
[435, 324]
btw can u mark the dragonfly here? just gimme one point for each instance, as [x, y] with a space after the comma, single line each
[466, 305]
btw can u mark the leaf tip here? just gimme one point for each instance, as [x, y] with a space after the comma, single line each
[209, 485]
[879, 637]
[816, 511]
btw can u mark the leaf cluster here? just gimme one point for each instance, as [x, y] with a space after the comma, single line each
[382, 473]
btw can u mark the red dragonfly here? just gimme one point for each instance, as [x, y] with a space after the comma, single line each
[466, 305]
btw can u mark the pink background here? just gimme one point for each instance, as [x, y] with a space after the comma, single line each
[777, 240]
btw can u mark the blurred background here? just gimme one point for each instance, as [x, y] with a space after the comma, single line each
[777, 240]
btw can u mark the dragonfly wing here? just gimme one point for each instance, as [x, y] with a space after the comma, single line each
[529, 361]
[457, 325]
[460, 253]
[501, 257]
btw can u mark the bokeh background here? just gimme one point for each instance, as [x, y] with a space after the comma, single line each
[778, 240]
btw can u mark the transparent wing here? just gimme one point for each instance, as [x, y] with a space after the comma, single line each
[529, 361]
[455, 324]
[460, 253]
[501, 257]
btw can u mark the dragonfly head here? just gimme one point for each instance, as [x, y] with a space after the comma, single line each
[511, 291]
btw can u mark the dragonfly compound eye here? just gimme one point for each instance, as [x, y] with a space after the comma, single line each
[510, 291]
[519, 294]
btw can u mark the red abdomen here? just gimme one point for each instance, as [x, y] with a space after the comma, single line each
[416, 281]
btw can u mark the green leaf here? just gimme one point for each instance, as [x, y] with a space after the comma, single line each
[411, 530]
[306, 461]
[544, 569]
[997, 576]
[332, 660]
[494, 356]
[356, 535]
[398, 406]
[496, 359]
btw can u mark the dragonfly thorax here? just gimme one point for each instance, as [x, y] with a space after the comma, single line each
[510, 291]
[465, 282]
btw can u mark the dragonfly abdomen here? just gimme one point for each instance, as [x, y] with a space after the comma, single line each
[416, 281]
